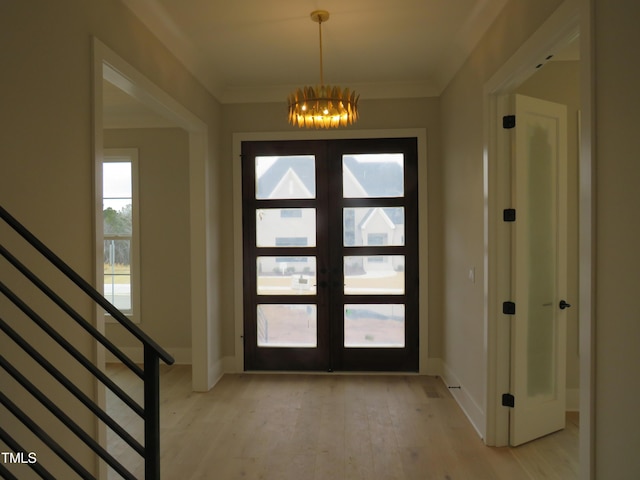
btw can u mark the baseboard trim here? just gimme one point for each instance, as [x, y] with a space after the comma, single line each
[433, 367]
[467, 403]
[182, 356]
[219, 368]
[573, 399]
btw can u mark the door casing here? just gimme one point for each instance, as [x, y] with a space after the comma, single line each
[570, 19]
[426, 365]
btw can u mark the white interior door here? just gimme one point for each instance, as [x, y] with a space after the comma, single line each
[538, 338]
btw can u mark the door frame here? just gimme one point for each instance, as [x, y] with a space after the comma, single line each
[425, 365]
[330, 352]
[572, 18]
[107, 64]
[533, 418]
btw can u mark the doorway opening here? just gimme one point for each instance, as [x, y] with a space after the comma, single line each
[563, 27]
[330, 242]
[135, 93]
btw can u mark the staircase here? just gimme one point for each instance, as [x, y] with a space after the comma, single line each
[46, 325]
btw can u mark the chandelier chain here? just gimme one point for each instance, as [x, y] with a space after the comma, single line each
[321, 65]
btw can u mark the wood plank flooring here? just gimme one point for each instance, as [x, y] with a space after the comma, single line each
[329, 427]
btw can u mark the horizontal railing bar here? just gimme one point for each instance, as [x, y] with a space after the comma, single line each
[72, 350]
[71, 387]
[7, 475]
[94, 332]
[45, 437]
[85, 286]
[16, 447]
[65, 419]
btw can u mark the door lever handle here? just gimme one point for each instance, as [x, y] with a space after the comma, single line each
[564, 305]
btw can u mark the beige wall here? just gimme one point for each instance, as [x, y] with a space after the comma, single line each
[46, 170]
[617, 180]
[375, 115]
[616, 196]
[560, 82]
[46, 152]
[464, 346]
[164, 237]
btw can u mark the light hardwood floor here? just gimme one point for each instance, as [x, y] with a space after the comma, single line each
[329, 427]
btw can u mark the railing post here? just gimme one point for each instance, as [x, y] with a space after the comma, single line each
[151, 414]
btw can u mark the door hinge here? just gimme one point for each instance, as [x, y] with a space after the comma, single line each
[509, 308]
[508, 400]
[508, 121]
[509, 215]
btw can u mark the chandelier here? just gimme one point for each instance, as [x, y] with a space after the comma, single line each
[322, 106]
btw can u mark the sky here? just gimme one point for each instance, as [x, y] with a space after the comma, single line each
[116, 185]
[263, 163]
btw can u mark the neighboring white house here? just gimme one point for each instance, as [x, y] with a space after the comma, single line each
[294, 177]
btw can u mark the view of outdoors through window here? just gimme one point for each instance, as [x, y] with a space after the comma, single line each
[117, 205]
[363, 176]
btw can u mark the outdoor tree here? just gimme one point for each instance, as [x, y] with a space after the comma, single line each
[117, 223]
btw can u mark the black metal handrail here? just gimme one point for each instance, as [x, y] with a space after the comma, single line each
[85, 286]
[150, 373]
[16, 447]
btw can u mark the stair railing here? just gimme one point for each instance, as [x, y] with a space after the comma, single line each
[150, 373]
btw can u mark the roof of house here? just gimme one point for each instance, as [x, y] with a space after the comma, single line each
[303, 167]
[378, 179]
[394, 215]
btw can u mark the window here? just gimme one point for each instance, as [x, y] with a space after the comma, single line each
[377, 239]
[291, 213]
[378, 259]
[120, 230]
[291, 241]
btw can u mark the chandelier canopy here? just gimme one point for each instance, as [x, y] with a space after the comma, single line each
[322, 106]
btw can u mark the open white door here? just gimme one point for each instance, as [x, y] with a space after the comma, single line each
[539, 275]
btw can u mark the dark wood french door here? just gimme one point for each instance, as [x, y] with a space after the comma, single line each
[330, 238]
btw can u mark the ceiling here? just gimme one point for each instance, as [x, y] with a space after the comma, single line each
[258, 50]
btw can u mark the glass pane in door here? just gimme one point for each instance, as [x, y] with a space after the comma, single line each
[286, 227]
[373, 226]
[279, 177]
[542, 258]
[286, 275]
[380, 326]
[287, 326]
[378, 175]
[374, 275]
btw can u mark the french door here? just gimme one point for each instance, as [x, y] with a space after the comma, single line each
[539, 275]
[330, 238]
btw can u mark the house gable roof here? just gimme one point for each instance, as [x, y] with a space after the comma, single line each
[377, 179]
[372, 213]
[301, 166]
[291, 186]
[392, 215]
